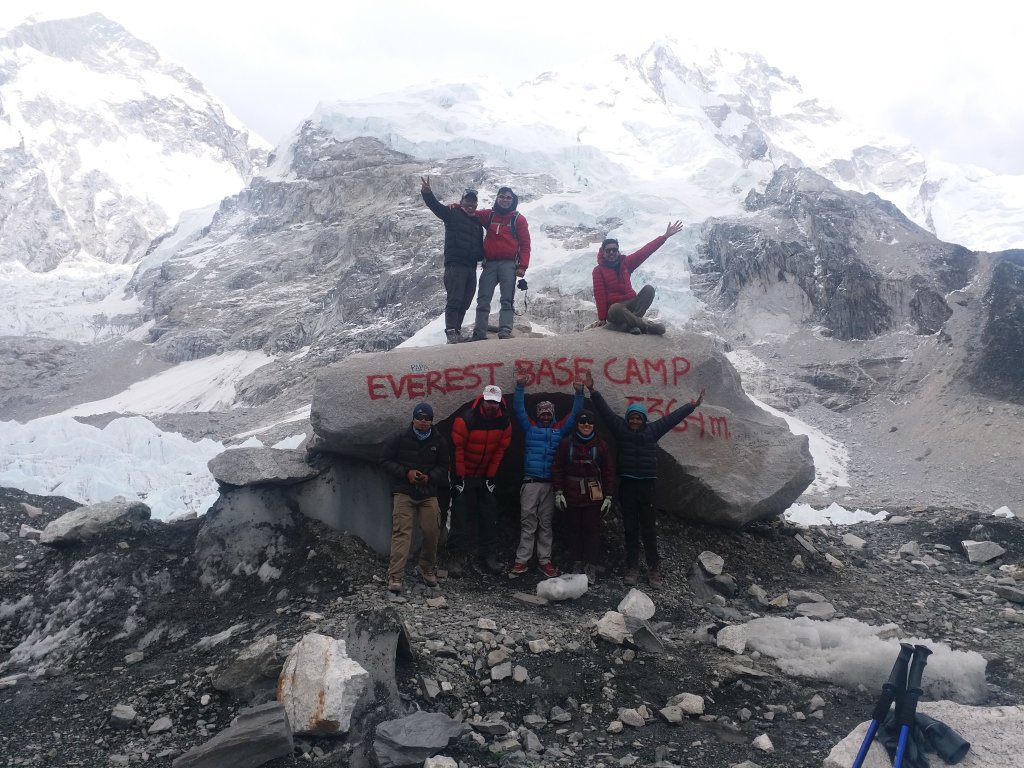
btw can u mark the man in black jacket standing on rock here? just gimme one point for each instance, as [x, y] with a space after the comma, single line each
[416, 460]
[637, 467]
[463, 250]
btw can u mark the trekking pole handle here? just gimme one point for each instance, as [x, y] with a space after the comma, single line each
[896, 683]
[906, 708]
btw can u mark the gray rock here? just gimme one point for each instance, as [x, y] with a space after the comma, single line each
[85, 522]
[122, 716]
[711, 563]
[160, 725]
[411, 740]
[821, 611]
[805, 596]
[255, 668]
[1009, 593]
[257, 736]
[28, 532]
[30, 510]
[254, 466]
[354, 407]
[982, 551]
[853, 541]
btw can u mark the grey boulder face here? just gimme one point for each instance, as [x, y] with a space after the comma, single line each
[257, 736]
[411, 740]
[999, 370]
[255, 466]
[86, 522]
[729, 463]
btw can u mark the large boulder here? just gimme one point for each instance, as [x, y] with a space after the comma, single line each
[118, 514]
[320, 686]
[256, 466]
[728, 464]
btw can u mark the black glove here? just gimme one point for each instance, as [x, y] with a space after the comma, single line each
[521, 285]
[888, 735]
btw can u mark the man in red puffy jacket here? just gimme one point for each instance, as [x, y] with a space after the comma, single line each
[506, 257]
[618, 305]
[481, 433]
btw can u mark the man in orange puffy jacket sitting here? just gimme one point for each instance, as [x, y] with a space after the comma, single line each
[481, 433]
[506, 257]
[618, 305]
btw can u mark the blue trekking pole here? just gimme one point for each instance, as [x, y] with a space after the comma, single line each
[896, 684]
[907, 707]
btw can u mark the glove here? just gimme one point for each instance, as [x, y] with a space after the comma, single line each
[560, 501]
[458, 485]
[606, 504]
[489, 484]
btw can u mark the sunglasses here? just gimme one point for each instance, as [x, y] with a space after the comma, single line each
[584, 420]
[422, 417]
[611, 250]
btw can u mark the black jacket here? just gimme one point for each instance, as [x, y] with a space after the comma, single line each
[638, 451]
[405, 451]
[463, 234]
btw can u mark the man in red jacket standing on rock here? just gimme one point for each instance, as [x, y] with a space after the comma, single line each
[618, 305]
[506, 257]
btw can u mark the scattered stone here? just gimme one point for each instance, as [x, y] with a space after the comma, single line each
[982, 551]
[320, 685]
[28, 532]
[763, 743]
[411, 740]
[538, 646]
[671, 714]
[441, 761]
[820, 611]
[30, 510]
[251, 670]
[612, 627]
[122, 716]
[711, 563]
[732, 638]
[256, 736]
[502, 671]
[525, 597]
[632, 718]
[134, 657]
[615, 726]
[853, 541]
[86, 522]
[520, 674]
[160, 725]
[911, 549]
[805, 544]
[689, 703]
[637, 604]
[816, 703]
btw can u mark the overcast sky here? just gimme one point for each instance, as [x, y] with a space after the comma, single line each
[944, 75]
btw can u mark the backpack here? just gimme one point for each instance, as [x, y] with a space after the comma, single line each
[511, 224]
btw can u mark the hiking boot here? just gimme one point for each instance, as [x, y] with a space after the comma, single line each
[453, 336]
[427, 575]
[548, 570]
[632, 577]
[456, 566]
[493, 564]
[474, 337]
[395, 587]
[591, 571]
[518, 569]
[504, 334]
[654, 578]
[655, 329]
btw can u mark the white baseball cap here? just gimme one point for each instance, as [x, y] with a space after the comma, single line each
[492, 393]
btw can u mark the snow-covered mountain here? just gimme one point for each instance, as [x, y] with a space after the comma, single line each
[103, 144]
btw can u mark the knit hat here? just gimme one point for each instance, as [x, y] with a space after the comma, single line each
[637, 408]
[545, 406]
[492, 393]
[423, 410]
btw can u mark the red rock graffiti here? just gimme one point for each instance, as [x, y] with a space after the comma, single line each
[422, 382]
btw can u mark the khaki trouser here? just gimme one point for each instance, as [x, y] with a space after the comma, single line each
[537, 508]
[629, 314]
[401, 532]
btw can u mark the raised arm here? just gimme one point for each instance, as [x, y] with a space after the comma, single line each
[438, 208]
[662, 426]
[519, 402]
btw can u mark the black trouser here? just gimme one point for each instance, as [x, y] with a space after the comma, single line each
[460, 284]
[636, 499]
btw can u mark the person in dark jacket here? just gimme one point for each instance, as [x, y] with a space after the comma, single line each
[506, 257]
[536, 497]
[481, 434]
[463, 250]
[619, 306]
[583, 477]
[416, 460]
[637, 468]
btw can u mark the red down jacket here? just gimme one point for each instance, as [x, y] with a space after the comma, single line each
[480, 442]
[612, 284]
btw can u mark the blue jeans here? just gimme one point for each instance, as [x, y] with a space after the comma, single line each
[501, 274]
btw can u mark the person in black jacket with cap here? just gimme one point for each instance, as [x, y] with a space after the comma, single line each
[416, 460]
[463, 250]
[637, 467]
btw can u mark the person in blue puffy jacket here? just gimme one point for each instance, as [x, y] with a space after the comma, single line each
[536, 498]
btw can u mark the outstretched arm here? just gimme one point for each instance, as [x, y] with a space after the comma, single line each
[673, 228]
[670, 420]
[440, 210]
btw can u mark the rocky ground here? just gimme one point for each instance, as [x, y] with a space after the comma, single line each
[128, 622]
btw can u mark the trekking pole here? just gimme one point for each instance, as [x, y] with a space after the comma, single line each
[906, 708]
[897, 682]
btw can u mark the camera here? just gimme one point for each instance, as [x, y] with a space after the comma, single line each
[521, 285]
